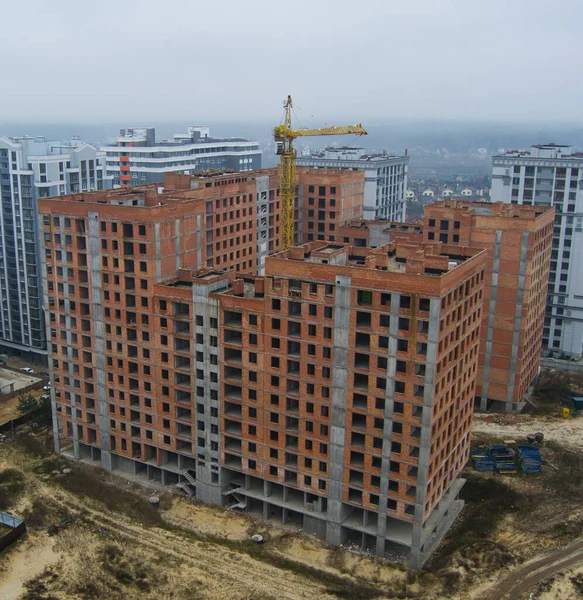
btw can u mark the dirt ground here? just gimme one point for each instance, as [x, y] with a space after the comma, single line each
[9, 407]
[93, 535]
[566, 586]
[567, 432]
[28, 560]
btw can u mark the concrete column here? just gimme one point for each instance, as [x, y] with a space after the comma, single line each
[67, 303]
[262, 221]
[99, 361]
[177, 242]
[158, 251]
[425, 441]
[517, 324]
[388, 422]
[207, 490]
[338, 409]
[491, 320]
[47, 322]
[199, 234]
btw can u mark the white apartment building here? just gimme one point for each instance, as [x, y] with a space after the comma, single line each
[137, 159]
[385, 177]
[551, 174]
[31, 168]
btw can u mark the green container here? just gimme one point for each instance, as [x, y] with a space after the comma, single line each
[578, 403]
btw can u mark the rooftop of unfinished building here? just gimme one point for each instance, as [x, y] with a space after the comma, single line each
[186, 278]
[177, 188]
[491, 209]
[383, 224]
[432, 259]
[394, 256]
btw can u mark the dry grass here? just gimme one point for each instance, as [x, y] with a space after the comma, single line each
[12, 484]
[114, 544]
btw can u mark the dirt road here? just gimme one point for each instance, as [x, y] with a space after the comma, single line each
[220, 569]
[520, 582]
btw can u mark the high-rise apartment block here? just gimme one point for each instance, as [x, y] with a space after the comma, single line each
[552, 175]
[347, 383]
[32, 168]
[385, 177]
[334, 391]
[137, 159]
[518, 242]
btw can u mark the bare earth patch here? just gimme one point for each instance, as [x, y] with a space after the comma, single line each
[23, 562]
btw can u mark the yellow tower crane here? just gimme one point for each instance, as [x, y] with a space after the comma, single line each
[284, 136]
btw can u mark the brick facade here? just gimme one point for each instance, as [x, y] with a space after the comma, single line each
[334, 390]
[518, 242]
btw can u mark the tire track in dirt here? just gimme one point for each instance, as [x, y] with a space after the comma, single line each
[522, 580]
[229, 570]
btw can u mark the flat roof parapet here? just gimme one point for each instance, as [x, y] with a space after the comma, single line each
[493, 209]
[397, 256]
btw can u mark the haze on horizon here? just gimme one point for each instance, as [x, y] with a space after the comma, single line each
[343, 61]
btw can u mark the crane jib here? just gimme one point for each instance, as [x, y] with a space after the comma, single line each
[283, 136]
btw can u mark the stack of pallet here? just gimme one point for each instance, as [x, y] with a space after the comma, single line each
[530, 459]
[482, 460]
[504, 459]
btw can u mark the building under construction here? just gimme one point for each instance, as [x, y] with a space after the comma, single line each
[518, 242]
[329, 385]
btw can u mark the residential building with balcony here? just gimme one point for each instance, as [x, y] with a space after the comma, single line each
[552, 175]
[138, 159]
[385, 177]
[32, 168]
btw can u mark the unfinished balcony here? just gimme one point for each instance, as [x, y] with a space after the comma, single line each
[233, 410]
[233, 337]
[233, 374]
[233, 319]
[181, 328]
[233, 391]
[181, 362]
[183, 397]
[233, 427]
[233, 355]
[182, 379]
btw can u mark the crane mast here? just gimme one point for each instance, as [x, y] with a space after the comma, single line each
[284, 136]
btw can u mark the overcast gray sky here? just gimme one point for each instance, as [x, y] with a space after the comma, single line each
[355, 60]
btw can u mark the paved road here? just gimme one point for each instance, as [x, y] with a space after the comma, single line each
[519, 582]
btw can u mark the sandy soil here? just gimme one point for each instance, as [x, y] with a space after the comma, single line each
[564, 587]
[208, 555]
[283, 541]
[207, 520]
[8, 408]
[568, 432]
[25, 561]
